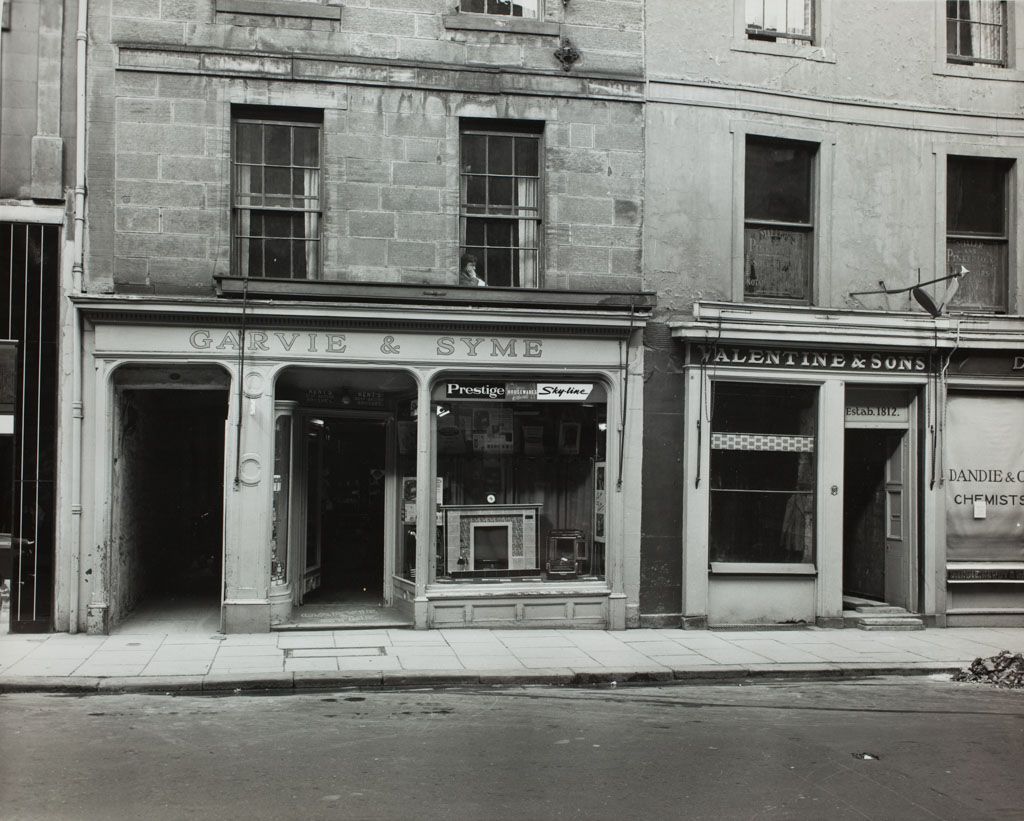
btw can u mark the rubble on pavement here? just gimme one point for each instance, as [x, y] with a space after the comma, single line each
[1003, 670]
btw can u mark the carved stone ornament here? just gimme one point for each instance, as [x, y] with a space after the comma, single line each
[567, 54]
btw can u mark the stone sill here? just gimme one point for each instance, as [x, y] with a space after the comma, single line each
[800, 51]
[511, 25]
[980, 72]
[762, 569]
[279, 8]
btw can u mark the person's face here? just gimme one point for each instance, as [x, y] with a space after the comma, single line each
[471, 268]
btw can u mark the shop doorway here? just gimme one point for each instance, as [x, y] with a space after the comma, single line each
[346, 510]
[877, 524]
[168, 493]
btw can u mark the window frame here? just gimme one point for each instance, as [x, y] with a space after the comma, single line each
[956, 58]
[1010, 71]
[275, 116]
[819, 287]
[1014, 197]
[497, 15]
[531, 129]
[818, 454]
[817, 47]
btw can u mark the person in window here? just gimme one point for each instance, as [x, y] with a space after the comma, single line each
[467, 271]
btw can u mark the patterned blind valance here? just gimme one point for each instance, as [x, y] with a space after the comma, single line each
[787, 443]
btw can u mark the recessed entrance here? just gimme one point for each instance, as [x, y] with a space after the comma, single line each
[346, 470]
[168, 489]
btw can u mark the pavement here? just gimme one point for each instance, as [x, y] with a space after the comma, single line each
[191, 661]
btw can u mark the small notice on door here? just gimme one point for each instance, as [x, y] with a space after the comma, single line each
[980, 509]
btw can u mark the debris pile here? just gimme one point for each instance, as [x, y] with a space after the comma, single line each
[1003, 670]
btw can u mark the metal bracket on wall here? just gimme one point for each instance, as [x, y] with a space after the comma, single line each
[567, 54]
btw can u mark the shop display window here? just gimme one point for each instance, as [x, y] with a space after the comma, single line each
[763, 445]
[520, 482]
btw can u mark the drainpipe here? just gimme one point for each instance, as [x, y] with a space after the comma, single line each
[81, 39]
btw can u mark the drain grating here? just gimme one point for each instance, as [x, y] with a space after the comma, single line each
[332, 652]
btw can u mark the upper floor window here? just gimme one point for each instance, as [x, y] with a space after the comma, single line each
[276, 202]
[778, 243]
[499, 200]
[775, 20]
[977, 230]
[976, 32]
[508, 8]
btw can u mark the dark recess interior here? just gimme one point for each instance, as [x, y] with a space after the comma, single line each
[864, 513]
[348, 494]
[172, 492]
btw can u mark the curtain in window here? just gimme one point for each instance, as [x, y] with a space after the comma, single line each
[978, 29]
[311, 227]
[526, 198]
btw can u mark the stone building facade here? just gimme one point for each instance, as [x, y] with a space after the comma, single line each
[816, 186]
[301, 404]
[39, 106]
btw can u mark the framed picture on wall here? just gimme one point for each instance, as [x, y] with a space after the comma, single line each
[569, 438]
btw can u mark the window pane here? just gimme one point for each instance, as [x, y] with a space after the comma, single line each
[769, 409]
[248, 143]
[778, 181]
[474, 153]
[526, 156]
[543, 469]
[501, 195]
[475, 193]
[499, 159]
[498, 267]
[762, 473]
[277, 145]
[777, 263]
[985, 287]
[976, 196]
[278, 182]
[499, 233]
[475, 231]
[307, 147]
[762, 527]
[507, 8]
[277, 225]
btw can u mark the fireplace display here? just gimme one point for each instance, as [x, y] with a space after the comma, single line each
[482, 539]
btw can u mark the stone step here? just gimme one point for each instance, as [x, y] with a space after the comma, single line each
[879, 609]
[907, 622]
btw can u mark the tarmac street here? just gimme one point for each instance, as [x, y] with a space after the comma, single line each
[887, 748]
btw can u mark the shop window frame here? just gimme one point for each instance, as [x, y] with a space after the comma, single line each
[533, 130]
[313, 208]
[1014, 293]
[819, 285]
[602, 566]
[753, 566]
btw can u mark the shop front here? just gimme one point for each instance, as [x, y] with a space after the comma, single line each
[808, 462]
[983, 478]
[309, 464]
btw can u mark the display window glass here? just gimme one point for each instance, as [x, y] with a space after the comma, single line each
[763, 447]
[520, 480]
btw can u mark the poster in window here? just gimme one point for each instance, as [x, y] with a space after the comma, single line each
[984, 478]
[569, 438]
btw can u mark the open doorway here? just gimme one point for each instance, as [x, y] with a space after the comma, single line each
[345, 510]
[168, 491]
[877, 526]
